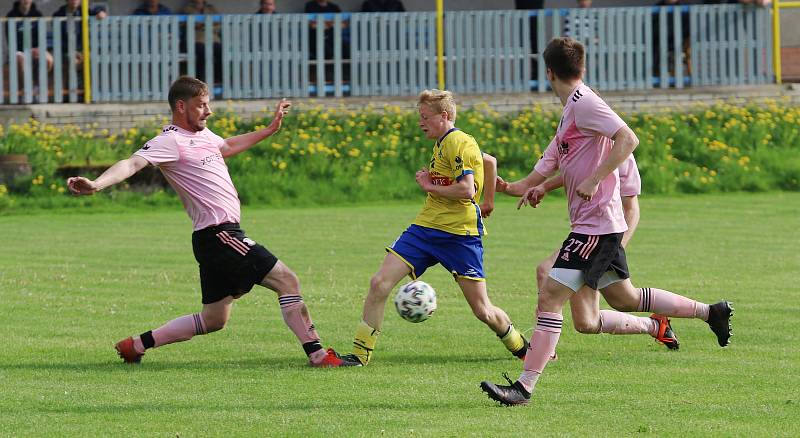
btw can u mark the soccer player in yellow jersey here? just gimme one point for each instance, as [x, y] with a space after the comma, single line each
[448, 230]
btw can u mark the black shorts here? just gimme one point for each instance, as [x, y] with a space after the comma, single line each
[593, 255]
[230, 262]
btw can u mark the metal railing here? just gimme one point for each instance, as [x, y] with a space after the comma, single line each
[135, 58]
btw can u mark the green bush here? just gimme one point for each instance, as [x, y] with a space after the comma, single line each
[336, 155]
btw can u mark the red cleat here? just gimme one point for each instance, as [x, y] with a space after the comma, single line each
[665, 335]
[126, 351]
[333, 360]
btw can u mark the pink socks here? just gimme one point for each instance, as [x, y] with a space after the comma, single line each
[670, 304]
[295, 314]
[177, 330]
[619, 323]
[543, 343]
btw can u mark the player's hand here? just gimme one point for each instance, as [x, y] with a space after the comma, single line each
[587, 189]
[79, 185]
[280, 111]
[500, 185]
[533, 196]
[423, 178]
[486, 209]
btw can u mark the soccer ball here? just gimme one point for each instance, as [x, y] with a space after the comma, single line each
[415, 301]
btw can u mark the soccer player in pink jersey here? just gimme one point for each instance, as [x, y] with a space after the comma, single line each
[591, 142]
[585, 307]
[192, 159]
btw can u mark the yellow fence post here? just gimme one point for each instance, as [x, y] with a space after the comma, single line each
[87, 76]
[776, 38]
[776, 34]
[440, 42]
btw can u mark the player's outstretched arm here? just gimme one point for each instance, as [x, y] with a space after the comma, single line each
[534, 195]
[117, 173]
[464, 188]
[241, 143]
[518, 188]
[625, 141]
[489, 184]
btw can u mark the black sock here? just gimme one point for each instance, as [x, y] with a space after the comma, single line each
[311, 347]
[147, 339]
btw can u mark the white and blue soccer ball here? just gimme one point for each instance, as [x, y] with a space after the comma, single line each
[415, 301]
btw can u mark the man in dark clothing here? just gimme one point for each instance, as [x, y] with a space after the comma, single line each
[383, 6]
[152, 7]
[28, 9]
[321, 6]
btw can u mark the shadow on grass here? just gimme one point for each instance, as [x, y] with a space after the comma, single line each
[159, 365]
[275, 408]
[272, 363]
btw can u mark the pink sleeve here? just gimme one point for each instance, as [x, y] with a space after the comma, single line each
[548, 163]
[216, 139]
[596, 117]
[160, 150]
[630, 183]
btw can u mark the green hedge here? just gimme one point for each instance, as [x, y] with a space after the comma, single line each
[336, 155]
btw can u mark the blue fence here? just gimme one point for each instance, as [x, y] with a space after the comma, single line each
[391, 54]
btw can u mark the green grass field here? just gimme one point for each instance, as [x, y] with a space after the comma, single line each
[72, 284]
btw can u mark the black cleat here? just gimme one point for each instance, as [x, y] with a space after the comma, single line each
[522, 351]
[665, 335]
[511, 395]
[353, 359]
[719, 319]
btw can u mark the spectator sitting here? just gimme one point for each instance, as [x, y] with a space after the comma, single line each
[201, 7]
[744, 2]
[670, 31]
[529, 4]
[321, 6]
[383, 6]
[27, 9]
[72, 8]
[584, 29]
[267, 7]
[152, 7]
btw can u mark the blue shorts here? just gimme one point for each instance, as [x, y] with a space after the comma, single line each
[422, 247]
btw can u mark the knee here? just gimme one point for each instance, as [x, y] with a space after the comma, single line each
[542, 272]
[380, 286]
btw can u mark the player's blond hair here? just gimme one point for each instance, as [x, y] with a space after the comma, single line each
[439, 101]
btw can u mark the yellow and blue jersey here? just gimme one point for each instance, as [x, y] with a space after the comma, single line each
[455, 155]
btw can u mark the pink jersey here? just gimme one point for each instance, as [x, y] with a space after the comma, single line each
[582, 143]
[193, 165]
[630, 183]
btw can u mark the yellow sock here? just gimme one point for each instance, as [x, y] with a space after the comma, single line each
[513, 340]
[364, 342]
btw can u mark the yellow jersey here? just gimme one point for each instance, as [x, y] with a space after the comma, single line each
[454, 155]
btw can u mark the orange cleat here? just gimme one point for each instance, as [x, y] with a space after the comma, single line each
[333, 360]
[126, 351]
[665, 335]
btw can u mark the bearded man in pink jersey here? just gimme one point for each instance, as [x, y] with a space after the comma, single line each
[591, 142]
[192, 159]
